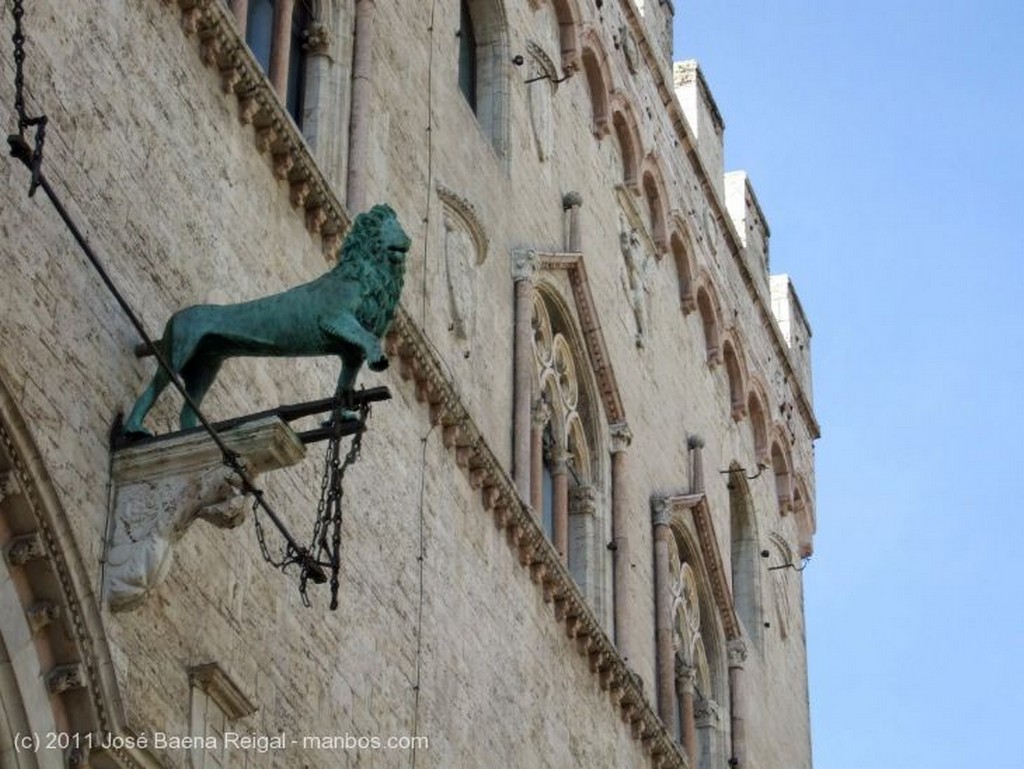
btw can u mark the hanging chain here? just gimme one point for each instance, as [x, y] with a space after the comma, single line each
[20, 148]
[329, 516]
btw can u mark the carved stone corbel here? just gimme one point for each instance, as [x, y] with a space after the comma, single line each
[163, 485]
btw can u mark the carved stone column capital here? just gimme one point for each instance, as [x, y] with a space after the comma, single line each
[686, 674]
[583, 500]
[524, 265]
[540, 413]
[621, 437]
[707, 713]
[559, 460]
[318, 39]
[661, 511]
[737, 651]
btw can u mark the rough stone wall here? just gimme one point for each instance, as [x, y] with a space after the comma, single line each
[155, 163]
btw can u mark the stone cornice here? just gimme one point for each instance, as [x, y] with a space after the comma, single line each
[572, 263]
[275, 133]
[418, 364]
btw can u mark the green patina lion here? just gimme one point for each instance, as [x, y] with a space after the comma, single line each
[344, 312]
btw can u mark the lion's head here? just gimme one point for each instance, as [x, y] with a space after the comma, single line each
[373, 255]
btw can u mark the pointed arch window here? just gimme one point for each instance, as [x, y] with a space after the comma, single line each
[566, 491]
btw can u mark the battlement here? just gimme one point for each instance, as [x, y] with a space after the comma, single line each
[703, 117]
[796, 331]
[750, 223]
[658, 15]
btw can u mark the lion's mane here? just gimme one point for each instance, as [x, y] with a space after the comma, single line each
[364, 259]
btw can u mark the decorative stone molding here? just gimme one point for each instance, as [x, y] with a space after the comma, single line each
[163, 485]
[9, 486]
[42, 613]
[276, 134]
[64, 678]
[671, 509]
[27, 547]
[465, 212]
[600, 361]
[56, 593]
[543, 77]
[418, 364]
[211, 679]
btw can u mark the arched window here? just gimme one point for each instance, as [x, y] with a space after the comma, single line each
[746, 587]
[483, 64]
[701, 688]
[706, 308]
[567, 490]
[734, 375]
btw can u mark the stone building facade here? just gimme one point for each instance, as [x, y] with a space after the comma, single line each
[574, 534]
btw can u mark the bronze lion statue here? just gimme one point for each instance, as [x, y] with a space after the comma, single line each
[344, 312]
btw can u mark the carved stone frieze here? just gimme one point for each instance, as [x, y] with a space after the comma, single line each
[163, 486]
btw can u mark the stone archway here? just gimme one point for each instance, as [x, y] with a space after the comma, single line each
[55, 671]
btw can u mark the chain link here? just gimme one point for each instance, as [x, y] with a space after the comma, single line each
[19, 146]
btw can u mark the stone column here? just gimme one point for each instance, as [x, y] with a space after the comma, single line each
[560, 503]
[696, 445]
[362, 95]
[737, 650]
[280, 48]
[318, 63]
[524, 267]
[685, 677]
[663, 625]
[541, 415]
[241, 10]
[624, 625]
[571, 203]
[709, 726]
[584, 541]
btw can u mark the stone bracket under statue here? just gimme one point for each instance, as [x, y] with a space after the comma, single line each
[163, 484]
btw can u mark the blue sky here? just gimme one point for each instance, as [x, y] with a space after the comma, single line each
[884, 141]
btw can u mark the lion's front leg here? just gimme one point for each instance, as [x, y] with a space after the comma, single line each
[346, 328]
